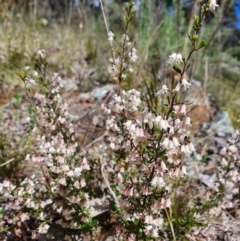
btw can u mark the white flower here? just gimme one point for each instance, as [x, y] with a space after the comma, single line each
[125, 36]
[110, 36]
[185, 84]
[188, 121]
[162, 123]
[158, 181]
[132, 55]
[163, 166]
[165, 143]
[184, 171]
[187, 149]
[175, 141]
[124, 76]
[130, 68]
[148, 219]
[32, 82]
[28, 119]
[191, 147]
[175, 59]
[213, 4]
[148, 118]
[43, 228]
[112, 70]
[163, 91]
[77, 171]
[41, 53]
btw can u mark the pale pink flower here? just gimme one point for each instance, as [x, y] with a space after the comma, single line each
[185, 149]
[82, 182]
[62, 181]
[149, 118]
[84, 164]
[185, 84]
[148, 219]
[144, 190]
[128, 192]
[177, 88]
[131, 237]
[84, 219]
[24, 216]
[76, 184]
[168, 202]
[74, 199]
[180, 109]
[158, 222]
[139, 132]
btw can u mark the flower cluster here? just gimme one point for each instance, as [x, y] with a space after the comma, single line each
[120, 62]
[175, 58]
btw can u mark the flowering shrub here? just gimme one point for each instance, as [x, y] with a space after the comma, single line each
[142, 165]
[58, 197]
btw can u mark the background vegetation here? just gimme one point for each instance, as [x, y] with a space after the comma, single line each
[70, 35]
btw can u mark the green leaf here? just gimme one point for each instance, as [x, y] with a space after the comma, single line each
[177, 68]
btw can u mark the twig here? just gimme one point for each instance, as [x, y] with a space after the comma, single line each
[106, 25]
[108, 185]
[96, 140]
[5, 163]
[170, 224]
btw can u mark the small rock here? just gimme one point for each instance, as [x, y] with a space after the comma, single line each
[222, 124]
[100, 93]
[207, 180]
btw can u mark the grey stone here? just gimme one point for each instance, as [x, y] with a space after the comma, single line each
[101, 92]
[222, 124]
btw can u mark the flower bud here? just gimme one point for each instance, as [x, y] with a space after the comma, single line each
[202, 44]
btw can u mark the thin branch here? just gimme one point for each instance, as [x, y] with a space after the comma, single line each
[107, 28]
[170, 224]
[5, 163]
